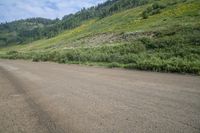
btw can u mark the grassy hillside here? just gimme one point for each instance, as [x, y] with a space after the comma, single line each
[23, 31]
[32, 29]
[160, 36]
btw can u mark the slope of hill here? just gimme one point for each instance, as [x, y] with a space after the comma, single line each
[28, 30]
[23, 31]
[161, 35]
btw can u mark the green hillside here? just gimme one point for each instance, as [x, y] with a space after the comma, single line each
[32, 29]
[159, 35]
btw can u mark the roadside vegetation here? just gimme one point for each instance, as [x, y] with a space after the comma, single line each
[159, 35]
[167, 51]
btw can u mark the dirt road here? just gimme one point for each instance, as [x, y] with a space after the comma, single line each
[55, 98]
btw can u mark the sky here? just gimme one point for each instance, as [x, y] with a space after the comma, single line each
[20, 9]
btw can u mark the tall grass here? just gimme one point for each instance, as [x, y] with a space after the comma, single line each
[176, 49]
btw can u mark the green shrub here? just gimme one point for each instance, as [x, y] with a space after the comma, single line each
[175, 49]
[12, 52]
[154, 9]
[158, 5]
[35, 59]
[113, 65]
[145, 15]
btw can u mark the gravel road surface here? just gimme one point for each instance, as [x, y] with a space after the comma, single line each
[57, 98]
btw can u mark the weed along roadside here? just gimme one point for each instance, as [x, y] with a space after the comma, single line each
[163, 53]
[158, 36]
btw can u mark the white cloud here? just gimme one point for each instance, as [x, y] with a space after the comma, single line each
[19, 9]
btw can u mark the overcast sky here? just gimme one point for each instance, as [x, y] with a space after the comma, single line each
[19, 9]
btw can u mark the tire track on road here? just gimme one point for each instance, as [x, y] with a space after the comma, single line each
[43, 117]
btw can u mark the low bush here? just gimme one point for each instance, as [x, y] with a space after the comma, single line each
[155, 8]
[168, 51]
[113, 65]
